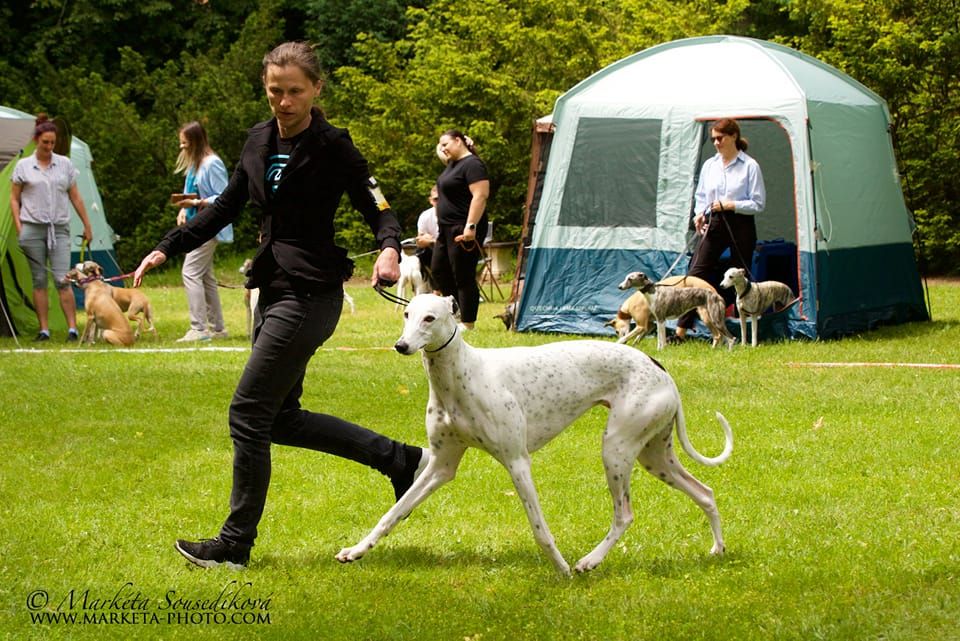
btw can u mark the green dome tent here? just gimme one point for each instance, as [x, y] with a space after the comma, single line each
[624, 157]
[16, 129]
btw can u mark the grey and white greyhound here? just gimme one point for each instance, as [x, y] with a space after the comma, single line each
[667, 301]
[510, 402]
[754, 298]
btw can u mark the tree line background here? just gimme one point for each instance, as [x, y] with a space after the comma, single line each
[127, 73]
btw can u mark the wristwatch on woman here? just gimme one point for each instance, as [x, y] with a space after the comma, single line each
[471, 226]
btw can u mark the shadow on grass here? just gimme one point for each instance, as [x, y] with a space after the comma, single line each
[408, 557]
[524, 560]
[679, 567]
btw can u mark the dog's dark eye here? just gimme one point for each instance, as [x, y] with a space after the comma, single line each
[429, 319]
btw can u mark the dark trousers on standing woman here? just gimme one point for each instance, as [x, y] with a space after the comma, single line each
[455, 268]
[266, 405]
[726, 230]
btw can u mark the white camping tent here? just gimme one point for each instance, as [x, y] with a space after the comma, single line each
[628, 142]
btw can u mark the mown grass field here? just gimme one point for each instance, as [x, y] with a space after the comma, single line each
[839, 505]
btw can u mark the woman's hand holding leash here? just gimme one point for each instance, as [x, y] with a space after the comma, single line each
[151, 260]
[469, 235]
[386, 270]
[700, 224]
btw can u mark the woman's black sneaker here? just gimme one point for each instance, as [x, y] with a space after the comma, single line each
[209, 553]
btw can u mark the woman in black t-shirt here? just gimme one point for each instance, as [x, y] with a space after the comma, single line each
[463, 188]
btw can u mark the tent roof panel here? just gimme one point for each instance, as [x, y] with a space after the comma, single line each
[664, 75]
[668, 77]
[15, 129]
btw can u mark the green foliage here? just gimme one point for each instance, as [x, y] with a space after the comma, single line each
[400, 73]
[132, 131]
[90, 34]
[335, 24]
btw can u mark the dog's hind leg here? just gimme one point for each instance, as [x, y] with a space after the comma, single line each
[133, 314]
[519, 469]
[659, 458]
[619, 455]
[148, 314]
[441, 469]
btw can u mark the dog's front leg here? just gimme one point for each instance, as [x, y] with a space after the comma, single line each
[661, 335]
[441, 469]
[519, 469]
[88, 331]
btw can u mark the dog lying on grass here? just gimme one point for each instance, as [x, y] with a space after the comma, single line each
[511, 402]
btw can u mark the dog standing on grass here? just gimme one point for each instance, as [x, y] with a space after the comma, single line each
[635, 309]
[135, 304]
[411, 277]
[753, 299]
[668, 302]
[510, 402]
[103, 312]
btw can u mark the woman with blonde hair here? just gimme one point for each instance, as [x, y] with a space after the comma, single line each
[205, 177]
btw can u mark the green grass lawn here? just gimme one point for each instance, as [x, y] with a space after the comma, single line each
[839, 504]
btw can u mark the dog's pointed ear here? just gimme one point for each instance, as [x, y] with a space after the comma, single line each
[454, 308]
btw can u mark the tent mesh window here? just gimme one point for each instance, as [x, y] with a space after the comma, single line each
[604, 150]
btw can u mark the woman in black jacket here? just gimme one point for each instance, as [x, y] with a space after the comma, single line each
[294, 168]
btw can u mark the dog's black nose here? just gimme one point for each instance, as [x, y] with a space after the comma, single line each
[401, 346]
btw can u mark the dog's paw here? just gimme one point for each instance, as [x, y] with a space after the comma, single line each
[718, 549]
[586, 564]
[347, 555]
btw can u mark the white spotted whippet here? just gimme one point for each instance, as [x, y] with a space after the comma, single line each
[510, 402]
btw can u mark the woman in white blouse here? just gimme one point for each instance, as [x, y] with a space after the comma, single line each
[729, 193]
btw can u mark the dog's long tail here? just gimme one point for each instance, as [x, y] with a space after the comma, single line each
[694, 454]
